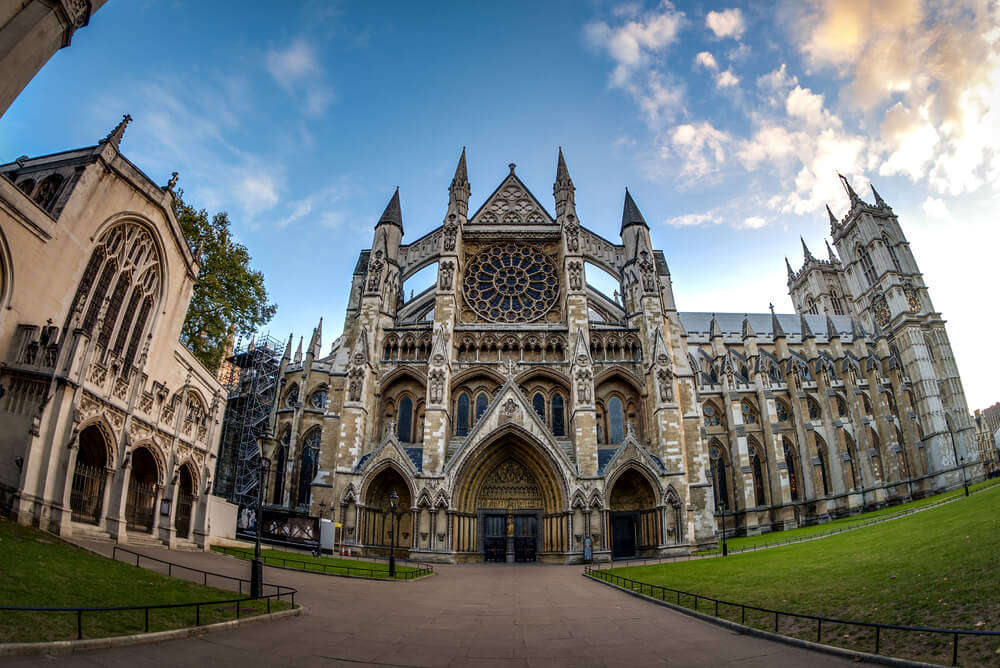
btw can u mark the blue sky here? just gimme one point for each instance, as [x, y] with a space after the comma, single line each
[727, 121]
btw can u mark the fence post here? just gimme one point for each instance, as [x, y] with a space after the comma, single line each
[775, 622]
[197, 614]
[79, 624]
[716, 607]
[237, 608]
[877, 630]
[170, 569]
[819, 628]
[743, 615]
[147, 620]
[954, 650]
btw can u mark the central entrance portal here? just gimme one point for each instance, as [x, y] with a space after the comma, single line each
[509, 505]
[525, 538]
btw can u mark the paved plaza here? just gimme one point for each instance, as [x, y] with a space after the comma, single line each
[482, 615]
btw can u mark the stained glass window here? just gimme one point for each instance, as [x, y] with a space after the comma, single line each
[404, 420]
[481, 402]
[462, 415]
[538, 402]
[511, 283]
[616, 420]
[558, 416]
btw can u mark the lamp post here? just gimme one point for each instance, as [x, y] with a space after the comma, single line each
[256, 566]
[954, 450]
[725, 546]
[393, 502]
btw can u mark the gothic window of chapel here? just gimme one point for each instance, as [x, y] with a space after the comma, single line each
[462, 415]
[867, 268]
[558, 415]
[892, 253]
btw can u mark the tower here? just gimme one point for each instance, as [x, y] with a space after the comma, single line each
[888, 293]
[819, 286]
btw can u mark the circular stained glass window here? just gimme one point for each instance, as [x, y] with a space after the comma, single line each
[511, 283]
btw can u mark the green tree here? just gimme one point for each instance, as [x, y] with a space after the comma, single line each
[229, 297]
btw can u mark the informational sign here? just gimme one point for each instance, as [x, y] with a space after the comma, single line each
[588, 549]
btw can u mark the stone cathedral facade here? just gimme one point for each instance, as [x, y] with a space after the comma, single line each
[520, 414]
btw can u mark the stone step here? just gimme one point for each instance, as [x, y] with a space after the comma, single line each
[144, 540]
[187, 546]
[91, 531]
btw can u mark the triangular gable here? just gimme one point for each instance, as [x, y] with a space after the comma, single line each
[513, 204]
[509, 406]
[631, 450]
[389, 448]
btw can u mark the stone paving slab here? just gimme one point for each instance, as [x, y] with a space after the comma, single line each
[481, 615]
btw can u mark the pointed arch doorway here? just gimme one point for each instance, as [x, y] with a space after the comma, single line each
[510, 504]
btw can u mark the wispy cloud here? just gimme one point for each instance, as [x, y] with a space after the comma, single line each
[297, 70]
[727, 23]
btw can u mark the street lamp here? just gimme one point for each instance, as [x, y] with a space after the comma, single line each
[954, 450]
[256, 566]
[393, 502]
[725, 546]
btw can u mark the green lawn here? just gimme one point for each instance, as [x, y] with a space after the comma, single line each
[779, 537]
[934, 568]
[331, 565]
[38, 569]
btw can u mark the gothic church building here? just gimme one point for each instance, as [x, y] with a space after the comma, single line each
[519, 414]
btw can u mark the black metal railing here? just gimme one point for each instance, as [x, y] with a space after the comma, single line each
[241, 604]
[417, 571]
[691, 600]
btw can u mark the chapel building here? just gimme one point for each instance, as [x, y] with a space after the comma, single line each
[517, 413]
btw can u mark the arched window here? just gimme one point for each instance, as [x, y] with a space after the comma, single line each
[26, 186]
[756, 463]
[841, 407]
[558, 415]
[318, 399]
[538, 403]
[719, 485]
[292, 397]
[821, 456]
[404, 419]
[814, 411]
[892, 253]
[47, 191]
[793, 476]
[308, 466]
[866, 404]
[711, 413]
[616, 420]
[811, 305]
[279, 468]
[781, 408]
[838, 305]
[749, 413]
[481, 402]
[125, 266]
[866, 264]
[462, 415]
[852, 461]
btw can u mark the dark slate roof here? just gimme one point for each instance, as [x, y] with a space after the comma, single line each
[393, 212]
[659, 462]
[362, 266]
[630, 212]
[362, 461]
[416, 456]
[604, 456]
[732, 323]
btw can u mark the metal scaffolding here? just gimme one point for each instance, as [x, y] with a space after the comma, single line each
[250, 376]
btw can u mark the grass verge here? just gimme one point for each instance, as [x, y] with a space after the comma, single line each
[936, 568]
[39, 569]
[329, 565]
[767, 540]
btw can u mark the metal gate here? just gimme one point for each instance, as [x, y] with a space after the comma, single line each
[525, 537]
[140, 506]
[87, 493]
[623, 527]
[495, 538]
[182, 521]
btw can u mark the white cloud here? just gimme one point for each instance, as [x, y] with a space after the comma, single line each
[706, 60]
[934, 207]
[727, 23]
[752, 223]
[632, 44]
[258, 190]
[297, 70]
[773, 144]
[322, 204]
[777, 80]
[694, 220]
[701, 146]
[803, 103]
[726, 79]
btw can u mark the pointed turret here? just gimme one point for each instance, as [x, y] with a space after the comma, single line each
[115, 136]
[850, 191]
[563, 189]
[829, 253]
[393, 214]
[288, 349]
[834, 223]
[459, 190]
[317, 338]
[777, 330]
[747, 332]
[298, 352]
[788, 266]
[857, 329]
[807, 332]
[805, 250]
[879, 202]
[631, 214]
[831, 329]
[581, 349]
[713, 328]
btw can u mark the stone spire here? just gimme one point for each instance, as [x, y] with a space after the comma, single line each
[713, 328]
[776, 329]
[298, 352]
[631, 214]
[316, 343]
[393, 214]
[879, 202]
[288, 348]
[831, 329]
[850, 191]
[857, 329]
[563, 189]
[805, 250]
[748, 332]
[788, 266]
[829, 252]
[807, 332]
[459, 190]
[115, 136]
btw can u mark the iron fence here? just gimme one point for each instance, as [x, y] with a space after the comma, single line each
[280, 592]
[680, 598]
[418, 571]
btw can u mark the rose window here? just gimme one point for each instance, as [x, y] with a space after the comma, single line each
[511, 283]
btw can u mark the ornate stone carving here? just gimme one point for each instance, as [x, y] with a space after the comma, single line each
[375, 271]
[509, 485]
[511, 283]
[881, 309]
[646, 269]
[665, 381]
[447, 275]
[436, 377]
[572, 234]
[575, 275]
[509, 407]
[450, 232]
[912, 298]
[583, 380]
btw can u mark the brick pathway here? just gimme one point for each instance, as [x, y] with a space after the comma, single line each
[523, 615]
